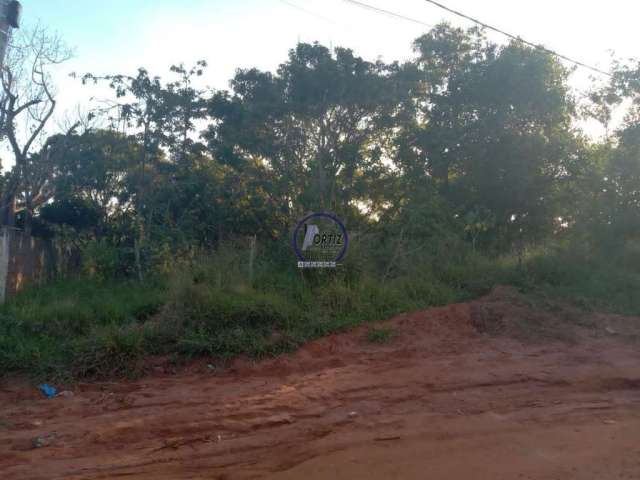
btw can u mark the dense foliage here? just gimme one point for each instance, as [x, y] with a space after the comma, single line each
[474, 138]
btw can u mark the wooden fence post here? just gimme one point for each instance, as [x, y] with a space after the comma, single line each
[252, 256]
[5, 240]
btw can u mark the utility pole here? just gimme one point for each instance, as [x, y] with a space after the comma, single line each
[9, 19]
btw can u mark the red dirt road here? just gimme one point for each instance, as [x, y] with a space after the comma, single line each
[541, 396]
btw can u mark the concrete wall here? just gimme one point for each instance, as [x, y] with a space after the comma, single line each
[26, 261]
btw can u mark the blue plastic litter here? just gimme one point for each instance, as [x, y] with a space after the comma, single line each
[47, 390]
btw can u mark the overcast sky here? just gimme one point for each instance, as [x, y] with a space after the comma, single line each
[117, 36]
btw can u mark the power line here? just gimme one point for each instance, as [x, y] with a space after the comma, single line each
[514, 37]
[478, 22]
[308, 12]
[389, 13]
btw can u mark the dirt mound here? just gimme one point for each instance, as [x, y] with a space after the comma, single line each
[453, 387]
[507, 312]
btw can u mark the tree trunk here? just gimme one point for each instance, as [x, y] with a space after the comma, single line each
[136, 250]
[28, 214]
[322, 181]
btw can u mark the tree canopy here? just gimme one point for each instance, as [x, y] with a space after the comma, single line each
[471, 138]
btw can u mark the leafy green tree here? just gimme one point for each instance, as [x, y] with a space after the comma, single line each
[613, 216]
[140, 105]
[95, 167]
[186, 105]
[450, 60]
[496, 128]
[317, 129]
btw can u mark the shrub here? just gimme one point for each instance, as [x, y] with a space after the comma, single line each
[110, 351]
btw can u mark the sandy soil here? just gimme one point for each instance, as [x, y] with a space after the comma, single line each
[498, 388]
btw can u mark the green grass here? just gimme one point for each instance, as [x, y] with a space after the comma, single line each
[48, 331]
[91, 329]
[594, 283]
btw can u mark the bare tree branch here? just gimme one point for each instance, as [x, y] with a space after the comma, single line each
[26, 111]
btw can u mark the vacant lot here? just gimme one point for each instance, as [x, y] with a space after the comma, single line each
[502, 387]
